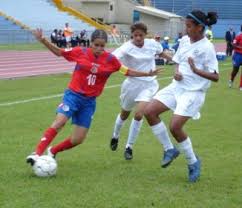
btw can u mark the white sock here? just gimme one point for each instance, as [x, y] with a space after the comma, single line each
[186, 148]
[160, 131]
[117, 127]
[134, 130]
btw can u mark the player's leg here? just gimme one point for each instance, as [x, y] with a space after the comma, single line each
[240, 64]
[142, 96]
[232, 76]
[236, 66]
[81, 120]
[189, 104]
[185, 145]
[134, 129]
[77, 137]
[120, 120]
[127, 102]
[152, 112]
[47, 137]
[240, 86]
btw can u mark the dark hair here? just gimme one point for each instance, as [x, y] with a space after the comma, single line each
[200, 17]
[138, 26]
[99, 34]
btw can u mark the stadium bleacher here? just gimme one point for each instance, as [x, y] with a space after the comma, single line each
[12, 33]
[229, 12]
[38, 13]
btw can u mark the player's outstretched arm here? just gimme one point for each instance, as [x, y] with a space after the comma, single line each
[133, 73]
[38, 33]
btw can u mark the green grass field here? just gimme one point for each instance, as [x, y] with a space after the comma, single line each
[92, 176]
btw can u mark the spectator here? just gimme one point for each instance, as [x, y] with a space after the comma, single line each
[165, 43]
[115, 35]
[68, 34]
[83, 39]
[61, 41]
[209, 33]
[229, 37]
[166, 47]
[177, 41]
[53, 36]
[236, 59]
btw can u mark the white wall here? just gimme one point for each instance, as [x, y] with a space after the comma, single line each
[163, 27]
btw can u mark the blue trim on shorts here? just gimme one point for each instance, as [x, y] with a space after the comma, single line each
[79, 107]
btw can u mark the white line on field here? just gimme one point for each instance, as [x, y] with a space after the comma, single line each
[56, 95]
[60, 95]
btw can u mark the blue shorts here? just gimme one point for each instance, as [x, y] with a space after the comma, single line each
[78, 107]
[237, 59]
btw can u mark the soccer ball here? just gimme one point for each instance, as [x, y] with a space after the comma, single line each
[45, 166]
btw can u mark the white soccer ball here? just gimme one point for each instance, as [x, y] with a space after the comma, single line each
[45, 166]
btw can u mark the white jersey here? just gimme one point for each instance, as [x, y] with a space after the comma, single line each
[204, 56]
[140, 59]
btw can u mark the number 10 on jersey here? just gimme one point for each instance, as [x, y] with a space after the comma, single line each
[91, 79]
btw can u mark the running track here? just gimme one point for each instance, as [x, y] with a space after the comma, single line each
[17, 64]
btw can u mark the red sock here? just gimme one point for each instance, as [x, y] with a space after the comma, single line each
[240, 80]
[48, 137]
[64, 145]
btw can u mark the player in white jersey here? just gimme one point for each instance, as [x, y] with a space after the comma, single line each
[197, 66]
[136, 92]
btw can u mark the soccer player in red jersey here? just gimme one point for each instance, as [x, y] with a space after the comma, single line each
[237, 59]
[93, 67]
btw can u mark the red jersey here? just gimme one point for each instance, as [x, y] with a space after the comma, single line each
[238, 41]
[91, 73]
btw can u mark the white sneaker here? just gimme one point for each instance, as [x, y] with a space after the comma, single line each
[49, 153]
[230, 83]
[32, 158]
[240, 88]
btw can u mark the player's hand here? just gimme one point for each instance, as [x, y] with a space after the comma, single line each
[38, 33]
[178, 76]
[155, 72]
[192, 65]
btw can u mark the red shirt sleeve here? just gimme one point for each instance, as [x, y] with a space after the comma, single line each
[72, 54]
[115, 63]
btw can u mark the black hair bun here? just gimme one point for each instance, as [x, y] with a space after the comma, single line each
[211, 18]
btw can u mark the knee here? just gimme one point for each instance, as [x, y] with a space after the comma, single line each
[58, 125]
[77, 140]
[149, 112]
[124, 115]
[138, 116]
[174, 129]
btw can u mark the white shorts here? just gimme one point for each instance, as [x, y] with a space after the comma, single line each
[135, 90]
[181, 101]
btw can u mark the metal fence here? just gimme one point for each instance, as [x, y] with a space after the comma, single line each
[11, 37]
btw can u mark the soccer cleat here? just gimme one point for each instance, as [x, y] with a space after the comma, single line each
[31, 159]
[230, 83]
[194, 171]
[49, 153]
[169, 156]
[114, 143]
[240, 88]
[128, 153]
